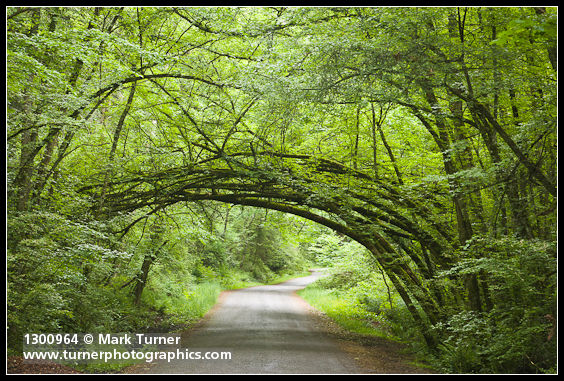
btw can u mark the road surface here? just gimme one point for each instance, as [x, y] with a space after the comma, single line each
[268, 330]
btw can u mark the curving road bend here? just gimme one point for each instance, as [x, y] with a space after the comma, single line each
[268, 330]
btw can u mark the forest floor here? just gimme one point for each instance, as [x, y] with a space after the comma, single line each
[17, 365]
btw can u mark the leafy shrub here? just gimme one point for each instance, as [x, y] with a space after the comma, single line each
[55, 272]
[514, 334]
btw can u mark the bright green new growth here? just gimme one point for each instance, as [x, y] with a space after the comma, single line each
[158, 155]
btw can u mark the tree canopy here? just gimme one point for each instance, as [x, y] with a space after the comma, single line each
[428, 135]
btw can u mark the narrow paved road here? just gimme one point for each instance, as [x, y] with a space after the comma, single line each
[268, 330]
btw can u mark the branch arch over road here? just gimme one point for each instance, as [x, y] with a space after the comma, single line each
[380, 216]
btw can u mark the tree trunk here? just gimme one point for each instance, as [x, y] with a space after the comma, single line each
[117, 134]
[144, 273]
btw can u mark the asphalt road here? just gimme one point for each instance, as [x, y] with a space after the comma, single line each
[268, 330]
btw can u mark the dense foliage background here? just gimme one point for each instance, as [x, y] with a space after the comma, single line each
[156, 156]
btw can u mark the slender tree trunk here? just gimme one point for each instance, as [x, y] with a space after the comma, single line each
[379, 124]
[356, 140]
[23, 182]
[117, 134]
[144, 273]
[142, 278]
[374, 144]
[42, 169]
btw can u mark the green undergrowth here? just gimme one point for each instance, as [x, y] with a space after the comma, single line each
[363, 317]
[345, 313]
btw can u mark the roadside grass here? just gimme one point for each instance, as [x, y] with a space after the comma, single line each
[353, 318]
[344, 312]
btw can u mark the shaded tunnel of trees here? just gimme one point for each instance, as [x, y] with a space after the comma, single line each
[427, 135]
